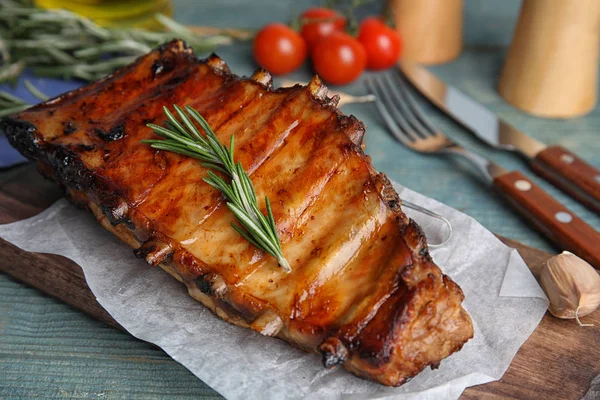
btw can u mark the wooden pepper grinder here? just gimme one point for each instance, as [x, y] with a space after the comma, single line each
[551, 69]
[431, 30]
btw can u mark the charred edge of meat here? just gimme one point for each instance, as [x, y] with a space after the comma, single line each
[204, 285]
[167, 63]
[162, 65]
[354, 127]
[317, 88]
[218, 65]
[334, 352]
[175, 45]
[376, 349]
[116, 211]
[69, 169]
[319, 91]
[21, 135]
[211, 284]
[263, 77]
[154, 252]
[115, 133]
[393, 315]
[416, 240]
[389, 195]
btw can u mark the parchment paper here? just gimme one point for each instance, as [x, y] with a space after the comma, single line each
[502, 296]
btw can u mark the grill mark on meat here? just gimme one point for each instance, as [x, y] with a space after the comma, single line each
[318, 163]
[226, 101]
[386, 280]
[267, 138]
[372, 252]
[273, 173]
[255, 116]
[266, 135]
[140, 159]
[194, 175]
[341, 240]
[242, 108]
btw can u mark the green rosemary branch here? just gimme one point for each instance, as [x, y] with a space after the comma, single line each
[35, 91]
[183, 137]
[59, 43]
[11, 104]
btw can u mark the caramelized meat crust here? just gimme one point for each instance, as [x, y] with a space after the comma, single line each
[363, 290]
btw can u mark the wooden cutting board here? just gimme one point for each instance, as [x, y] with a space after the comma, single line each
[559, 360]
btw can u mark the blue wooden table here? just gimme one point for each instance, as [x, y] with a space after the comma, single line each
[49, 350]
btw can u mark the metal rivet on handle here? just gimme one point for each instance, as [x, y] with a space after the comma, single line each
[567, 158]
[523, 185]
[563, 216]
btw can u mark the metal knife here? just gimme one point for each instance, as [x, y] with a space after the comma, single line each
[554, 163]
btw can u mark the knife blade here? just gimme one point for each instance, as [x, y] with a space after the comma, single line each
[557, 165]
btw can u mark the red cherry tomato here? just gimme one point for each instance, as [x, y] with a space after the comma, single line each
[339, 58]
[382, 43]
[279, 49]
[318, 23]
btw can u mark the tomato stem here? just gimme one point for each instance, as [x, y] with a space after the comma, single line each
[350, 13]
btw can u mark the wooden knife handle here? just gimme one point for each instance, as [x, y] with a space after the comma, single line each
[553, 219]
[570, 173]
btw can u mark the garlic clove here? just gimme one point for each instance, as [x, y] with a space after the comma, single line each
[572, 286]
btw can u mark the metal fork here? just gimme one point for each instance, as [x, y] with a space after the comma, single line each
[407, 122]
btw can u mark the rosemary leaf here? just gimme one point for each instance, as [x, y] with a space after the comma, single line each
[35, 91]
[127, 46]
[5, 112]
[214, 166]
[11, 99]
[271, 219]
[245, 235]
[253, 228]
[183, 136]
[10, 72]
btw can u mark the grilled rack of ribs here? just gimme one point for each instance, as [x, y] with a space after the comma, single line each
[363, 291]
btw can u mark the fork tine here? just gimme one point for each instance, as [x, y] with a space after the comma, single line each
[403, 102]
[385, 104]
[412, 103]
[387, 118]
[389, 103]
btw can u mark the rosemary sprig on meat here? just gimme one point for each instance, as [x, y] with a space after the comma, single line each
[59, 43]
[183, 137]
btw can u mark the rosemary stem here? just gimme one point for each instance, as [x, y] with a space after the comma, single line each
[183, 137]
